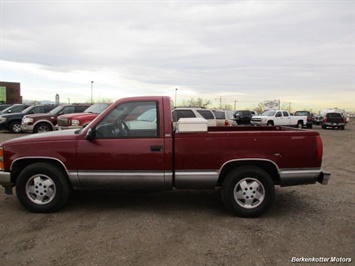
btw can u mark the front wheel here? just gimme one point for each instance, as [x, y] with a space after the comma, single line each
[248, 191]
[42, 187]
[15, 127]
[42, 127]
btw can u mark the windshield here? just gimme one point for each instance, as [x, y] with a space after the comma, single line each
[97, 108]
[56, 110]
[269, 113]
[149, 116]
[27, 109]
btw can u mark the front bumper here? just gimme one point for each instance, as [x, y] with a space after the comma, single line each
[257, 123]
[303, 177]
[5, 181]
[4, 126]
[334, 124]
[27, 127]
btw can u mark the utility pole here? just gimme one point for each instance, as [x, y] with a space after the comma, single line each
[91, 91]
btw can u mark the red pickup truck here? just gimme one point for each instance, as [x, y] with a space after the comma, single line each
[133, 145]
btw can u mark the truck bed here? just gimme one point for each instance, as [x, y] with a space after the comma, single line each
[280, 148]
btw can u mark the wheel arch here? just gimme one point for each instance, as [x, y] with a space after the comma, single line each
[268, 166]
[19, 164]
[44, 122]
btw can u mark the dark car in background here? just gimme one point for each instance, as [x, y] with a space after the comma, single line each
[243, 117]
[334, 119]
[318, 119]
[4, 106]
[39, 123]
[12, 121]
[14, 108]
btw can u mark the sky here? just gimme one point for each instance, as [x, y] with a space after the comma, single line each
[239, 53]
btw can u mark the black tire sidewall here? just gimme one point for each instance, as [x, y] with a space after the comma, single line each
[12, 125]
[232, 180]
[58, 177]
[39, 125]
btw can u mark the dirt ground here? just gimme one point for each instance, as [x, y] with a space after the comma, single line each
[191, 227]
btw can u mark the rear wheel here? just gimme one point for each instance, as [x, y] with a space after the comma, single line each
[42, 187]
[299, 124]
[248, 191]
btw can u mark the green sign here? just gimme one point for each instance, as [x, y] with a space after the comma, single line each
[2, 94]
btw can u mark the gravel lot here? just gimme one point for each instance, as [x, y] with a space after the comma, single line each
[191, 227]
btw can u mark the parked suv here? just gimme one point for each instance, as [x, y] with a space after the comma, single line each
[38, 123]
[224, 118]
[334, 119]
[243, 117]
[14, 108]
[12, 122]
[191, 112]
[77, 120]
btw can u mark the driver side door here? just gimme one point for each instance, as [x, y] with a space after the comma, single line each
[127, 151]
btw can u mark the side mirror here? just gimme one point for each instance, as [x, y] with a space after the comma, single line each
[91, 134]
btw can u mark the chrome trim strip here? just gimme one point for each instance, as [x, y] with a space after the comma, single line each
[196, 179]
[250, 159]
[39, 157]
[292, 177]
[145, 180]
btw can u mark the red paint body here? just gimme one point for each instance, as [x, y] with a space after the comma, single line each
[286, 148]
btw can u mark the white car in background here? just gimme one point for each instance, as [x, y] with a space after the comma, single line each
[192, 112]
[224, 118]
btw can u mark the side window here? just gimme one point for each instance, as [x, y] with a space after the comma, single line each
[177, 114]
[38, 110]
[278, 114]
[80, 109]
[17, 109]
[130, 120]
[219, 115]
[206, 114]
[285, 113]
[68, 110]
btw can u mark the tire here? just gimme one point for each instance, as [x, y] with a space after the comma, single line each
[300, 125]
[15, 127]
[258, 195]
[270, 123]
[42, 127]
[42, 187]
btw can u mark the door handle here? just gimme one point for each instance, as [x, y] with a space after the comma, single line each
[156, 148]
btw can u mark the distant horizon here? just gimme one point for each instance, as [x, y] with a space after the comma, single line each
[231, 52]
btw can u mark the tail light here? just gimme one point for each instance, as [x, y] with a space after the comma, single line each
[325, 119]
[319, 148]
[226, 123]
